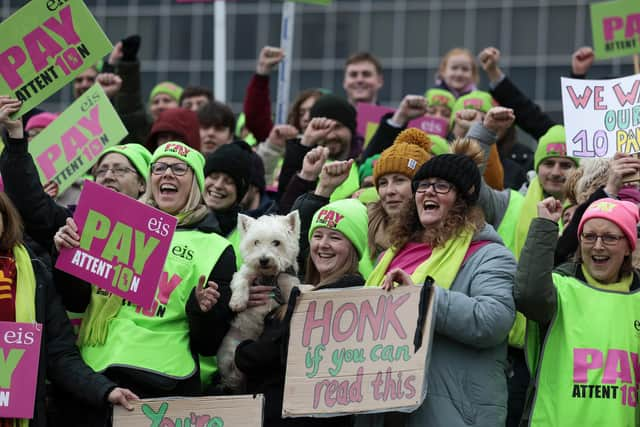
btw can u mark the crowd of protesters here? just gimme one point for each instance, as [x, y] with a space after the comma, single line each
[532, 251]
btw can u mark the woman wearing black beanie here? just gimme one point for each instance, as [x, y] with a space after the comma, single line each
[443, 236]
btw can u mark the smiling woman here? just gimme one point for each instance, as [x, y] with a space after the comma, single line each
[569, 304]
[392, 174]
[190, 313]
[442, 234]
[338, 240]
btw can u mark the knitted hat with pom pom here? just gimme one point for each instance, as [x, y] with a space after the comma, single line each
[411, 148]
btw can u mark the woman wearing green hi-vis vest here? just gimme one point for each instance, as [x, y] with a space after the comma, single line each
[587, 314]
[155, 351]
[443, 235]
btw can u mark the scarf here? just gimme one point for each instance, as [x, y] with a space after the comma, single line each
[443, 264]
[26, 286]
[623, 286]
[25, 299]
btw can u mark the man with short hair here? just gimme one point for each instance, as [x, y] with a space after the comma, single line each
[195, 97]
[217, 124]
[363, 78]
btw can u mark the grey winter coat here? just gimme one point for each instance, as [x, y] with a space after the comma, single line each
[467, 384]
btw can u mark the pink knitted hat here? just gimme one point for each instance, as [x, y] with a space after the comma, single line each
[623, 214]
[41, 120]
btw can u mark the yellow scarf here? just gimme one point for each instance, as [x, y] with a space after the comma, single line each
[25, 297]
[623, 286]
[95, 325]
[26, 286]
[442, 265]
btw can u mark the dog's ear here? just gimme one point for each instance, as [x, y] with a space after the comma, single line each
[244, 221]
[293, 220]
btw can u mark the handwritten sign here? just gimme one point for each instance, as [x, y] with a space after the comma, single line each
[19, 356]
[123, 244]
[601, 116]
[352, 351]
[369, 115]
[616, 28]
[69, 146]
[227, 411]
[44, 45]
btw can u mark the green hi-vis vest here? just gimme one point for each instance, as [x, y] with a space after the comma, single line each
[234, 239]
[509, 223]
[589, 368]
[157, 339]
[348, 187]
[507, 231]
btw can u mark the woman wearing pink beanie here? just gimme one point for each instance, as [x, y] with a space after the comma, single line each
[586, 313]
[38, 123]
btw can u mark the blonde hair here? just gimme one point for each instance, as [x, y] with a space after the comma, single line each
[193, 211]
[459, 51]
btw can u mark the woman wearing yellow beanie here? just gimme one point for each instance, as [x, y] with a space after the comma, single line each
[392, 175]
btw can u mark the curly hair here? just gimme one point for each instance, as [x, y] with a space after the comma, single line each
[406, 227]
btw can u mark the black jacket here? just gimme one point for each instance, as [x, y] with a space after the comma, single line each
[529, 117]
[41, 215]
[264, 361]
[60, 360]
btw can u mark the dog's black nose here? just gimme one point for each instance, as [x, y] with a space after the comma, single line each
[264, 262]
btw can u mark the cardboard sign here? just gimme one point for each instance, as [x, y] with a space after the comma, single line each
[68, 147]
[601, 117]
[19, 357]
[352, 351]
[44, 45]
[616, 28]
[123, 244]
[369, 115]
[227, 411]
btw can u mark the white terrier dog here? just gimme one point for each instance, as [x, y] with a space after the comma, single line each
[269, 248]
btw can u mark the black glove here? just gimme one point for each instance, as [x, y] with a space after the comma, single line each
[130, 47]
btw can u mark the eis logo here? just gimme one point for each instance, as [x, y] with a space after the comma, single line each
[636, 326]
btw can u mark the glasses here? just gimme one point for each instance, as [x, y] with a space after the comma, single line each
[440, 187]
[160, 168]
[607, 239]
[116, 171]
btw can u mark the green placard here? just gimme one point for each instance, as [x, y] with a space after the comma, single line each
[616, 28]
[44, 45]
[69, 146]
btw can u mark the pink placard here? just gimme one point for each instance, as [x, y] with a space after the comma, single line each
[20, 353]
[370, 113]
[431, 125]
[123, 244]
